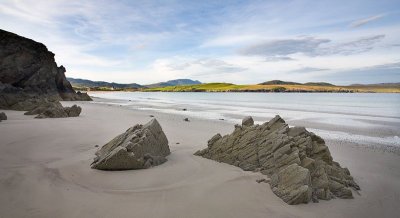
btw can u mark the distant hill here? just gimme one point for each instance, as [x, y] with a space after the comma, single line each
[316, 87]
[176, 82]
[279, 82]
[89, 83]
[378, 84]
[318, 84]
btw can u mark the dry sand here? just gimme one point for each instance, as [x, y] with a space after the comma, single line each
[45, 172]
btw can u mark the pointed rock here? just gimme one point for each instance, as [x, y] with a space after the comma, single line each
[140, 147]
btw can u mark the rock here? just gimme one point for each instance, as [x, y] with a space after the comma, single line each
[3, 116]
[54, 109]
[29, 74]
[260, 180]
[298, 162]
[140, 147]
[186, 119]
[247, 121]
[96, 146]
[292, 184]
[184, 109]
[73, 111]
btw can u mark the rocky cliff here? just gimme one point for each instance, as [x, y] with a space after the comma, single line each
[28, 71]
[298, 162]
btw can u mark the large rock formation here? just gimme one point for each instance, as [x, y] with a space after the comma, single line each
[28, 71]
[298, 162]
[140, 147]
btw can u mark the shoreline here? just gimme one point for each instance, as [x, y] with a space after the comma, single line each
[49, 159]
[382, 137]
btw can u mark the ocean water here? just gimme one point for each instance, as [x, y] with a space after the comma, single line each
[374, 117]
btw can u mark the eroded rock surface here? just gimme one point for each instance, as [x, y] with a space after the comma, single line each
[53, 109]
[298, 162]
[29, 73]
[140, 147]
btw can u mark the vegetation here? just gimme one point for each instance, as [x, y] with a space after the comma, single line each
[95, 88]
[270, 86]
[228, 87]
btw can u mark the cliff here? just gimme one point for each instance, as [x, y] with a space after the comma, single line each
[28, 71]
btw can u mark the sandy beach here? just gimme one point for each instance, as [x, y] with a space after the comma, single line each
[45, 172]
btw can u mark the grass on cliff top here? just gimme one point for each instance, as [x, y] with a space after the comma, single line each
[224, 87]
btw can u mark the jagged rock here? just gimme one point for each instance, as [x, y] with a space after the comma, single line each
[140, 147]
[3, 116]
[292, 184]
[298, 162]
[54, 109]
[73, 111]
[28, 71]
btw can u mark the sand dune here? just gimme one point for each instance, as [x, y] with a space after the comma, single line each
[45, 172]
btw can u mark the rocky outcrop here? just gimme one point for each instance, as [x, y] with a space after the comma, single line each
[298, 162]
[28, 71]
[140, 147]
[53, 109]
[3, 116]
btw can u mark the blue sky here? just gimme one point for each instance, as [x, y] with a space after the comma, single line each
[243, 42]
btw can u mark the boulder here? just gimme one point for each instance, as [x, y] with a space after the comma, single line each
[73, 111]
[247, 121]
[3, 116]
[140, 147]
[298, 162]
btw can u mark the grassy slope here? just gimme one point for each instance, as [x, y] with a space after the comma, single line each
[223, 87]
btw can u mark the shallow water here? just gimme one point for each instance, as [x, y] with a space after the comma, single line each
[377, 114]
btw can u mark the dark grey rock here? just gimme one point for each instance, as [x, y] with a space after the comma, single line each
[73, 111]
[53, 109]
[29, 74]
[3, 116]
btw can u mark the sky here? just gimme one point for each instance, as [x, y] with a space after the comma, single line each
[241, 42]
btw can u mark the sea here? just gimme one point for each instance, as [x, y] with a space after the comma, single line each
[369, 119]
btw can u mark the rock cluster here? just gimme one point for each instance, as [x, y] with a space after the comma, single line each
[3, 116]
[29, 73]
[298, 162]
[140, 147]
[54, 109]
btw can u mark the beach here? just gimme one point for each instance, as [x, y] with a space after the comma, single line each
[45, 172]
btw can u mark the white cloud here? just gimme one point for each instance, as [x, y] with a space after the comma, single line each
[279, 49]
[364, 21]
[144, 41]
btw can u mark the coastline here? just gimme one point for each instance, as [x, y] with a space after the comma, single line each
[377, 131]
[45, 172]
